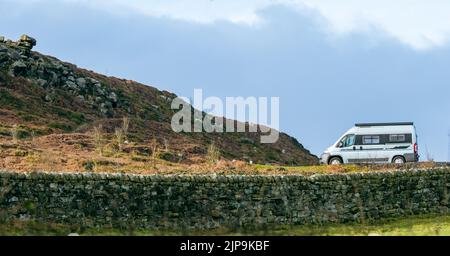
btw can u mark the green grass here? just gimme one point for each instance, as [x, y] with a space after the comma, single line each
[426, 225]
[317, 169]
[9, 100]
[344, 168]
[412, 226]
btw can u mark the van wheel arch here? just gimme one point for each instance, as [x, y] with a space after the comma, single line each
[333, 157]
[398, 157]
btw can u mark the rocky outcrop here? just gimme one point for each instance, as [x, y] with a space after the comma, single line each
[49, 73]
[26, 42]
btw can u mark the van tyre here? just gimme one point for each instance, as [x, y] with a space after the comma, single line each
[399, 160]
[335, 161]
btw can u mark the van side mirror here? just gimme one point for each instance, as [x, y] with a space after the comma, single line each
[340, 145]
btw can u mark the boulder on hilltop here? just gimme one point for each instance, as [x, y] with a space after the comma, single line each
[26, 42]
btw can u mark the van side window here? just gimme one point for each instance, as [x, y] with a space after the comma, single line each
[371, 140]
[348, 141]
[397, 138]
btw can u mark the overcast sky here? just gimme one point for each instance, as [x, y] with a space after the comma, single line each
[332, 63]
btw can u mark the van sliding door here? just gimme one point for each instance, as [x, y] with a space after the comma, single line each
[371, 148]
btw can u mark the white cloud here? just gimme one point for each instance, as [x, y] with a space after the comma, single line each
[420, 24]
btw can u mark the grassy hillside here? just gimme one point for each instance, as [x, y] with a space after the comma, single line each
[50, 108]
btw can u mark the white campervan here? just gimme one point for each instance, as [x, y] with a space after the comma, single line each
[375, 143]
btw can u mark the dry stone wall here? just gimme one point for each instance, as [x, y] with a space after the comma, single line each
[206, 202]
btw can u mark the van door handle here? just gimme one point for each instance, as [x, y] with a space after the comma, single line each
[361, 148]
[354, 148]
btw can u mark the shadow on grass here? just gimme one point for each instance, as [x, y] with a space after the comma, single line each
[424, 225]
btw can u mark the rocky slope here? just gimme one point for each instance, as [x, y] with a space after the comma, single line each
[41, 96]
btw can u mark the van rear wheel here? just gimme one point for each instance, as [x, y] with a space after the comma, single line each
[335, 161]
[399, 160]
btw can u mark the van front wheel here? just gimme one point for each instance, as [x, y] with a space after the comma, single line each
[335, 161]
[398, 160]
